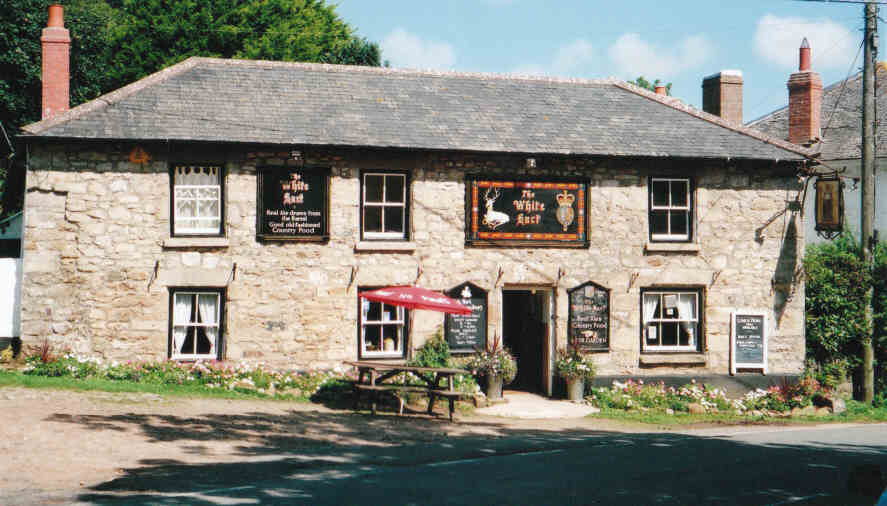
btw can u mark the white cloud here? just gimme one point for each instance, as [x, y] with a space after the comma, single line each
[777, 41]
[406, 50]
[633, 56]
[570, 60]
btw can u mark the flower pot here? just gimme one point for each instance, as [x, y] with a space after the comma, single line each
[576, 389]
[494, 387]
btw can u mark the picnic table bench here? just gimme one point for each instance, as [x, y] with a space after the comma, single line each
[375, 377]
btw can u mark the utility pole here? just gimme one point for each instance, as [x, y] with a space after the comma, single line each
[867, 205]
[868, 191]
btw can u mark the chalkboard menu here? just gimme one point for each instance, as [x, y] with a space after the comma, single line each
[748, 340]
[465, 333]
[521, 213]
[293, 204]
[589, 323]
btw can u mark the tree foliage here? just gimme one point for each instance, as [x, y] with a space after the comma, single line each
[149, 35]
[21, 24]
[647, 85]
[115, 42]
[836, 286]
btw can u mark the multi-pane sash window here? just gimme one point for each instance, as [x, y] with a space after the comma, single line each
[671, 320]
[382, 329]
[384, 206]
[195, 324]
[671, 209]
[197, 200]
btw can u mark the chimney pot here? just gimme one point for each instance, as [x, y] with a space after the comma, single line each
[804, 57]
[804, 101]
[56, 45]
[661, 90]
[56, 16]
[722, 95]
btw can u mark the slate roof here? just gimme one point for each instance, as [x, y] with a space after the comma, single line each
[841, 119]
[208, 99]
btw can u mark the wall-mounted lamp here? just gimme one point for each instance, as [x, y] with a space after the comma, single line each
[829, 206]
[530, 163]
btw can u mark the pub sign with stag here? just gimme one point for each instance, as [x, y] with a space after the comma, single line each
[543, 212]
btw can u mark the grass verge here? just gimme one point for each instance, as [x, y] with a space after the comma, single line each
[17, 379]
[856, 412]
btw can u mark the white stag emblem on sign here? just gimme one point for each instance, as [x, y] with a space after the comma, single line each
[493, 219]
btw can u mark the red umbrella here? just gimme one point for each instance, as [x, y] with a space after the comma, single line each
[413, 297]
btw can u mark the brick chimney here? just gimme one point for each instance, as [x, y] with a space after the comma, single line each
[722, 95]
[56, 42]
[804, 101]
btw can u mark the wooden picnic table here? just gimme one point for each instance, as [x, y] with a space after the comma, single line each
[375, 377]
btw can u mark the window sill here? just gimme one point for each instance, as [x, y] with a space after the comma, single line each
[385, 246]
[672, 247]
[652, 359]
[394, 359]
[196, 242]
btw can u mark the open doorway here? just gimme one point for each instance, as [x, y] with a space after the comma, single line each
[526, 331]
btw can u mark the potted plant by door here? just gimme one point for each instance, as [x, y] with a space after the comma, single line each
[496, 364]
[575, 368]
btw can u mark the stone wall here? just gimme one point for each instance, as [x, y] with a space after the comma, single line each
[98, 259]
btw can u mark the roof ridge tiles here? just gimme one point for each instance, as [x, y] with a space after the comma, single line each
[401, 71]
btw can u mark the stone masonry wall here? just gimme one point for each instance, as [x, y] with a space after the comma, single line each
[98, 261]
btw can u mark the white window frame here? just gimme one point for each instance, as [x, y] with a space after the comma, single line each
[384, 204]
[177, 220]
[191, 327]
[669, 209]
[400, 321]
[657, 322]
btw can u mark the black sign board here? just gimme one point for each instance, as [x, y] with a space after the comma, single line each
[293, 203]
[589, 322]
[520, 213]
[748, 340]
[465, 333]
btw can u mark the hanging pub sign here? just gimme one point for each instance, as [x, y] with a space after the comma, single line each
[518, 213]
[589, 322]
[748, 340]
[829, 206]
[293, 204]
[466, 333]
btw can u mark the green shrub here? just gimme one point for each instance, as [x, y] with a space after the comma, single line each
[835, 291]
[434, 353]
[835, 310]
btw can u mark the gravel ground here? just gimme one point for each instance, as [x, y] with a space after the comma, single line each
[56, 441]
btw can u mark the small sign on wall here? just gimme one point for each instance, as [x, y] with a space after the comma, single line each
[467, 333]
[293, 204]
[589, 317]
[748, 340]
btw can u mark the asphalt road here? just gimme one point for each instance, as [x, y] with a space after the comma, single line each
[755, 466]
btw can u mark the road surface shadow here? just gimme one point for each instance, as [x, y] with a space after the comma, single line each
[341, 457]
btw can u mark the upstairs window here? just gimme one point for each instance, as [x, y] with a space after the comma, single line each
[671, 320]
[384, 205]
[197, 200]
[196, 324]
[671, 209]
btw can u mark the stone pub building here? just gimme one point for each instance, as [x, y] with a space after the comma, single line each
[233, 210]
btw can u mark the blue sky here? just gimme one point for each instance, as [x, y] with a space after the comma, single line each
[678, 41]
